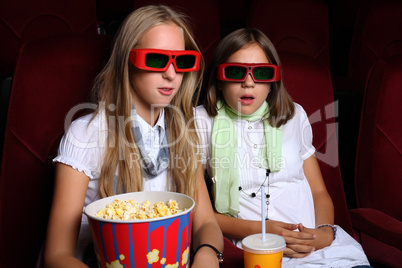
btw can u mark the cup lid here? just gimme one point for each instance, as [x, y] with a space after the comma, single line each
[272, 244]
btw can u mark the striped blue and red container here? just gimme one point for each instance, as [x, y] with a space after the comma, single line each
[153, 243]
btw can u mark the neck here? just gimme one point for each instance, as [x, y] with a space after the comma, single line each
[260, 113]
[149, 114]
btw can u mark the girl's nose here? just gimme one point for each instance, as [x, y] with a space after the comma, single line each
[170, 73]
[249, 81]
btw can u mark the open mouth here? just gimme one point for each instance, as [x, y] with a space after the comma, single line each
[166, 90]
[247, 98]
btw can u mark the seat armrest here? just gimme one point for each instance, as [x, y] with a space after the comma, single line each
[378, 225]
[233, 256]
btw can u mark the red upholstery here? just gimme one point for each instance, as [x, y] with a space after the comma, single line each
[309, 84]
[377, 35]
[22, 21]
[204, 21]
[379, 165]
[52, 75]
[233, 256]
[294, 26]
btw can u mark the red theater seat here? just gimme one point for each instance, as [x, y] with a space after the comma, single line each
[378, 218]
[204, 21]
[22, 21]
[377, 35]
[297, 26]
[309, 83]
[53, 74]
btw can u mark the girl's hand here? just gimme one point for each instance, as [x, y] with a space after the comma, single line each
[298, 244]
[324, 236]
[205, 257]
[302, 248]
[287, 231]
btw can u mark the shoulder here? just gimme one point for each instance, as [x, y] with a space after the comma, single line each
[200, 111]
[299, 119]
[300, 114]
[90, 122]
[201, 117]
[87, 129]
[82, 145]
[299, 110]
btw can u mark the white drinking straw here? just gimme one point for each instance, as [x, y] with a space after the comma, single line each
[263, 213]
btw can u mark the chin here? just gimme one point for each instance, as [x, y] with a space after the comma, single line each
[248, 111]
[162, 104]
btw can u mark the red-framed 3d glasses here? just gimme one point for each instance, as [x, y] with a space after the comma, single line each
[238, 72]
[159, 60]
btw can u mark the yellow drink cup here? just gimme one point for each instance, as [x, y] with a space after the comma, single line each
[263, 254]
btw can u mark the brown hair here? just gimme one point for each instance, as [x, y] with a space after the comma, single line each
[281, 107]
[114, 88]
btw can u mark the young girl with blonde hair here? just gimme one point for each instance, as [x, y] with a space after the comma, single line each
[255, 137]
[141, 137]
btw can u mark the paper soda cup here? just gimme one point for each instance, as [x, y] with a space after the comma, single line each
[263, 254]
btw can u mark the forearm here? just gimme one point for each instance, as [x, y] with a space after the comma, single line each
[237, 228]
[205, 228]
[64, 260]
[65, 218]
[324, 208]
[208, 233]
[240, 228]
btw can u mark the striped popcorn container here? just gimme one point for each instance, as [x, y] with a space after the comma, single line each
[162, 242]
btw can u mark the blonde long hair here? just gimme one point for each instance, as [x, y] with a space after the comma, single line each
[113, 89]
[281, 107]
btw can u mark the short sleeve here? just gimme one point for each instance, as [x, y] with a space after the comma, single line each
[82, 145]
[307, 148]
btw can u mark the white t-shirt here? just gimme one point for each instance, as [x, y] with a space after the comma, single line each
[83, 146]
[291, 200]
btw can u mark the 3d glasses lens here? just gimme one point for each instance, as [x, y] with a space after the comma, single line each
[263, 73]
[235, 72]
[185, 61]
[156, 60]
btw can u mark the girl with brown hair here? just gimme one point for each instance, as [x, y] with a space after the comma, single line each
[256, 140]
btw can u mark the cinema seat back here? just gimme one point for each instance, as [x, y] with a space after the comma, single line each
[53, 75]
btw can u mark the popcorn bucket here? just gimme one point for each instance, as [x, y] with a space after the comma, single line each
[159, 242]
